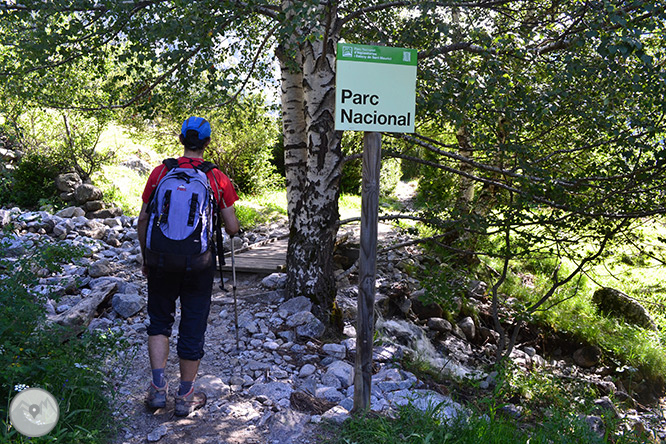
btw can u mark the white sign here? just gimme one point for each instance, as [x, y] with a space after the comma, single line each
[375, 88]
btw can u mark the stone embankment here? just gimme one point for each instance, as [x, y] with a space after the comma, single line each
[283, 378]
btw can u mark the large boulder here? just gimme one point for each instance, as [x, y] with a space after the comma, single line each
[93, 205]
[138, 165]
[587, 357]
[5, 218]
[615, 303]
[427, 310]
[70, 212]
[127, 305]
[105, 213]
[87, 192]
[68, 182]
[93, 229]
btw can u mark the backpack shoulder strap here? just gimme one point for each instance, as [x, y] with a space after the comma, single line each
[170, 163]
[206, 166]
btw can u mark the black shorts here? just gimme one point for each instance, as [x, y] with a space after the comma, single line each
[194, 289]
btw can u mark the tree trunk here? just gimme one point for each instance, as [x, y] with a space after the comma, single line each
[313, 165]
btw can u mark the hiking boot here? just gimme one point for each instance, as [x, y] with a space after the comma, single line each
[156, 398]
[189, 402]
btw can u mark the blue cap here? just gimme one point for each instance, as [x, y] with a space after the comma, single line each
[198, 124]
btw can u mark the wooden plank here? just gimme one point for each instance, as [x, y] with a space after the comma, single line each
[267, 257]
[365, 321]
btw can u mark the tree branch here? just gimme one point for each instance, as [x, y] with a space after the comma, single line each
[461, 46]
[249, 74]
[495, 301]
[374, 8]
[134, 99]
[558, 283]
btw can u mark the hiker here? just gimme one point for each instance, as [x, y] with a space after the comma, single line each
[193, 283]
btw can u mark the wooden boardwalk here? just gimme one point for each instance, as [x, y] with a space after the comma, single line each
[265, 257]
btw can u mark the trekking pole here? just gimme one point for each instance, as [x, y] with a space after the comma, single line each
[220, 251]
[233, 277]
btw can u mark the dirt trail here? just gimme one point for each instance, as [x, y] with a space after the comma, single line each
[231, 415]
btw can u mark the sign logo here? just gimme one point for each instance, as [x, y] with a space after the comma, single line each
[34, 412]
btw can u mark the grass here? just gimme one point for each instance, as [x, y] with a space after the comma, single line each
[629, 269]
[412, 426]
[253, 211]
[122, 187]
[551, 405]
[349, 206]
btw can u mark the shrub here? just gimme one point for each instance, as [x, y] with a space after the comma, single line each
[243, 142]
[122, 187]
[33, 179]
[54, 142]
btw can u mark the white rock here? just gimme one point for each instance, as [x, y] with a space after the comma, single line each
[307, 370]
[275, 281]
[295, 305]
[338, 351]
[337, 414]
[158, 433]
[343, 371]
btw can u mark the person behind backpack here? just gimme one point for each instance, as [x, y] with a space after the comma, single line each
[193, 284]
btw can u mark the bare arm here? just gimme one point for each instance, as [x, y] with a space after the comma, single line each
[231, 224]
[142, 225]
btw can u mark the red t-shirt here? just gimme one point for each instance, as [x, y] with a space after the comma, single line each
[223, 189]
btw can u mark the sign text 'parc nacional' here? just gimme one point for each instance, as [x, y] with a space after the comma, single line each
[375, 88]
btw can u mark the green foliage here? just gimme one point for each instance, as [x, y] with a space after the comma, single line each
[352, 172]
[389, 175]
[571, 310]
[244, 141]
[122, 187]
[79, 138]
[54, 142]
[413, 426]
[33, 180]
[69, 138]
[436, 188]
[242, 146]
[446, 286]
[539, 393]
[37, 354]
[254, 210]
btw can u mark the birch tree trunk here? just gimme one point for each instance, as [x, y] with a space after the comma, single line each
[313, 164]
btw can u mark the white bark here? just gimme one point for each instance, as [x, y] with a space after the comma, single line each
[313, 163]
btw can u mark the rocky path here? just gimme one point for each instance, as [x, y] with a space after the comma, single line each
[232, 415]
[276, 388]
